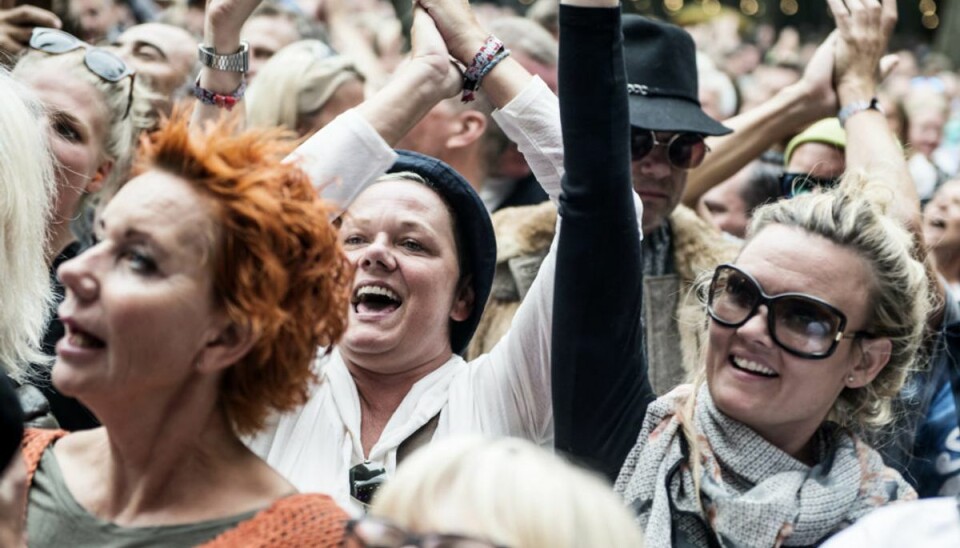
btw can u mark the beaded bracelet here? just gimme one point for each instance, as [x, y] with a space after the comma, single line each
[490, 54]
[220, 100]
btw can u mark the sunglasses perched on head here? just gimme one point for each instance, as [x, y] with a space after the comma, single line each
[684, 150]
[795, 184]
[804, 326]
[105, 64]
[370, 532]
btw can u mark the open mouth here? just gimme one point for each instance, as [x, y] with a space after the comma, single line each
[937, 222]
[375, 299]
[752, 368]
[81, 339]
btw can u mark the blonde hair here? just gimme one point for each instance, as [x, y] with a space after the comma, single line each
[27, 193]
[295, 83]
[122, 128]
[855, 215]
[508, 491]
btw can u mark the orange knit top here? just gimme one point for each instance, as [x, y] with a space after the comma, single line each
[294, 521]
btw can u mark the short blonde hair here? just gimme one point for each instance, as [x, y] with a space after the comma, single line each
[27, 193]
[508, 491]
[296, 83]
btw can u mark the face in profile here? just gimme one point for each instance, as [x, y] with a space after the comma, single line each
[756, 381]
[724, 206]
[400, 237]
[139, 307]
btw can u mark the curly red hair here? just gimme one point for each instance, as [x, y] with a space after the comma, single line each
[278, 268]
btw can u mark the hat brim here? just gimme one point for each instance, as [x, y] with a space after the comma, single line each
[672, 114]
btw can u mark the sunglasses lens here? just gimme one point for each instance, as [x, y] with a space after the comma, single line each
[804, 325]
[106, 65]
[687, 150]
[733, 296]
[641, 143]
[54, 41]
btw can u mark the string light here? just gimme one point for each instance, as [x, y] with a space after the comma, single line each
[789, 7]
[749, 7]
[673, 5]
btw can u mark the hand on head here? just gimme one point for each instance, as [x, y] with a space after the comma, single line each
[17, 24]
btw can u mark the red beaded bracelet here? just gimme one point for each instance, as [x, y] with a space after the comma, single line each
[220, 100]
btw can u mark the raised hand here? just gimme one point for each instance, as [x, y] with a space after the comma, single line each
[458, 26]
[428, 48]
[17, 24]
[223, 20]
[863, 32]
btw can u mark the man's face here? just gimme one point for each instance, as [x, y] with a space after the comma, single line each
[93, 19]
[163, 55]
[267, 35]
[817, 159]
[659, 184]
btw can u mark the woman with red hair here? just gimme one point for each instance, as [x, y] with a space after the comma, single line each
[215, 276]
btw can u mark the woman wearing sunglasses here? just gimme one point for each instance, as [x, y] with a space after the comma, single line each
[810, 334]
[94, 111]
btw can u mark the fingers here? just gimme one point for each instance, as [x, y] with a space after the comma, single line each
[887, 64]
[32, 16]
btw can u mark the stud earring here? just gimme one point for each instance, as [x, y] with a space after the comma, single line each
[850, 378]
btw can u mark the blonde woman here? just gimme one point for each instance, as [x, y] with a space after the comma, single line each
[812, 328]
[504, 492]
[303, 88]
[27, 192]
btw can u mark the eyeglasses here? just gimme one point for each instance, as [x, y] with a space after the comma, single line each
[795, 184]
[377, 533]
[684, 150]
[99, 61]
[364, 482]
[802, 325]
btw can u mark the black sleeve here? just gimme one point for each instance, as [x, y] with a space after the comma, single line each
[600, 386]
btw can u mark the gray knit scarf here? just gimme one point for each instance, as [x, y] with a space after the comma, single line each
[753, 493]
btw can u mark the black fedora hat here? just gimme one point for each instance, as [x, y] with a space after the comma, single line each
[475, 228]
[662, 78]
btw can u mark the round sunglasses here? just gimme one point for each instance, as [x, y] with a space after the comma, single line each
[803, 325]
[105, 64]
[684, 150]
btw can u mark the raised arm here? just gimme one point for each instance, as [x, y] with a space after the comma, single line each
[786, 113]
[600, 387]
[864, 30]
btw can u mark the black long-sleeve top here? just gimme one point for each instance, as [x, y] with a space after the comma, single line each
[600, 385]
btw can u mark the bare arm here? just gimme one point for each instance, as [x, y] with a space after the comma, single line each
[786, 113]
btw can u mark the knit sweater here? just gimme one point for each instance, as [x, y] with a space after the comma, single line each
[293, 521]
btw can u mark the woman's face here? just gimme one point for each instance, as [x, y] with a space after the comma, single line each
[399, 235]
[755, 381]
[941, 220]
[78, 127]
[925, 131]
[139, 308]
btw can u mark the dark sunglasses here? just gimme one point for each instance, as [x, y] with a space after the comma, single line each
[684, 150]
[795, 184]
[377, 533]
[804, 326]
[103, 63]
[364, 482]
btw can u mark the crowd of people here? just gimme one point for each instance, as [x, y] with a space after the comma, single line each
[431, 273]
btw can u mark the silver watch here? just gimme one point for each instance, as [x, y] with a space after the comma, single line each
[235, 62]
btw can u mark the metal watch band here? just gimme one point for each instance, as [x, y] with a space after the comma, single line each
[235, 62]
[859, 106]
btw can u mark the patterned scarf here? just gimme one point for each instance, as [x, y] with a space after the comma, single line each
[753, 493]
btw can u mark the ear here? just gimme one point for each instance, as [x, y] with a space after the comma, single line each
[469, 127]
[96, 182]
[874, 355]
[463, 301]
[226, 347]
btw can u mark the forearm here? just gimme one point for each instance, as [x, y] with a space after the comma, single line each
[401, 104]
[754, 131]
[224, 42]
[873, 150]
[599, 377]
